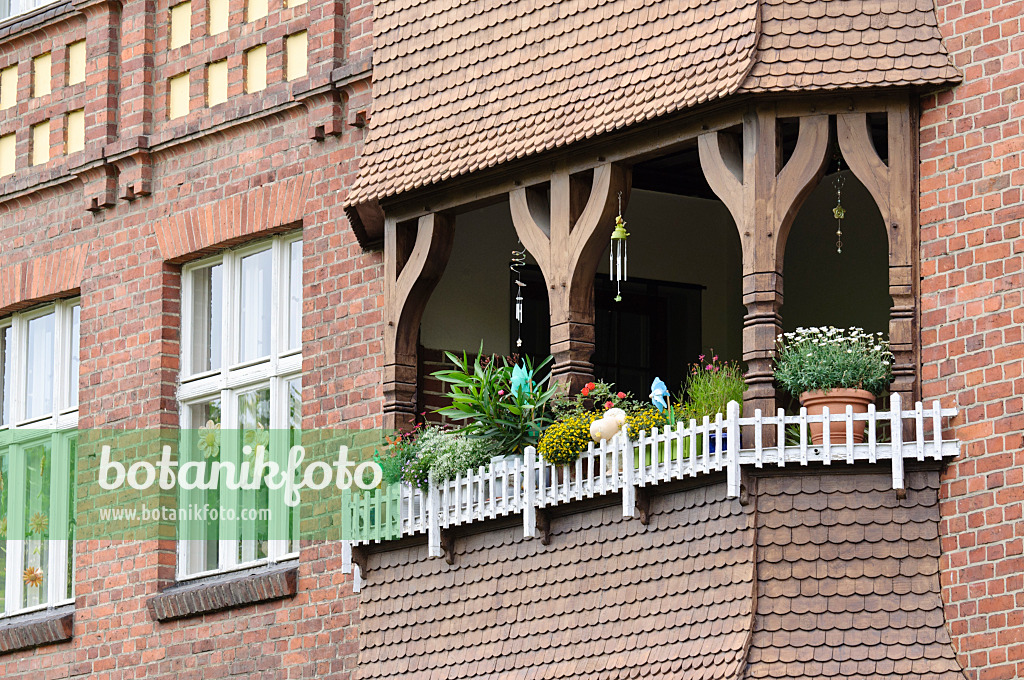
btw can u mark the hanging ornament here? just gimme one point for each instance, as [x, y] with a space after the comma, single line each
[518, 260]
[617, 254]
[839, 211]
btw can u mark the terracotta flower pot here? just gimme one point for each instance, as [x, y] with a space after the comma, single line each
[836, 400]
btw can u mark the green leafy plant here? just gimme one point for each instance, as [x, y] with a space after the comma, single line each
[498, 399]
[433, 450]
[710, 386]
[826, 358]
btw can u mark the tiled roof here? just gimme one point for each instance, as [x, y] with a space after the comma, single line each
[608, 598]
[815, 45]
[848, 583]
[460, 85]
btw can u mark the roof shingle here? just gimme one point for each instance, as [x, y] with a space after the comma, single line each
[461, 86]
[608, 598]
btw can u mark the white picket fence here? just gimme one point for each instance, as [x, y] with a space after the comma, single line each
[528, 484]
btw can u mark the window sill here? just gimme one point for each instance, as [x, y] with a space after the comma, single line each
[225, 591]
[37, 629]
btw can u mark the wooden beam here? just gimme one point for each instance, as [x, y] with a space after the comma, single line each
[893, 186]
[415, 256]
[567, 238]
[763, 196]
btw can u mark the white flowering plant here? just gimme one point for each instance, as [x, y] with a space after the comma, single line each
[825, 358]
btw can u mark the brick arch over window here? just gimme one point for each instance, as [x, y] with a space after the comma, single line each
[260, 211]
[42, 278]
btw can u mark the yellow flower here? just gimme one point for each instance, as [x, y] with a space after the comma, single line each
[38, 523]
[256, 438]
[33, 577]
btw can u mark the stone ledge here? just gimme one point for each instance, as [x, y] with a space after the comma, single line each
[37, 629]
[224, 591]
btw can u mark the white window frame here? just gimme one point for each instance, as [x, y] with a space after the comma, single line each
[21, 433]
[235, 377]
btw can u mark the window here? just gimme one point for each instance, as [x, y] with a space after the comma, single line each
[41, 75]
[76, 130]
[256, 9]
[8, 86]
[76, 62]
[41, 143]
[241, 383]
[256, 69]
[8, 155]
[219, 13]
[38, 421]
[217, 83]
[181, 24]
[178, 96]
[295, 55]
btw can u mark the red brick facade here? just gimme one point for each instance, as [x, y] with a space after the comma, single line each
[115, 222]
[972, 264]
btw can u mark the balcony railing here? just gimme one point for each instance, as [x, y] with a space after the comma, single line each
[13, 8]
[529, 484]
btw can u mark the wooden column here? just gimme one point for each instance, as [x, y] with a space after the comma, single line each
[567, 237]
[763, 197]
[415, 255]
[893, 185]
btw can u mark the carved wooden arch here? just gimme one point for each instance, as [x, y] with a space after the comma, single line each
[567, 238]
[415, 256]
[763, 195]
[893, 186]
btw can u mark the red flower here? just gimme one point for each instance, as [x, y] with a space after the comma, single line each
[585, 391]
[608, 405]
[621, 395]
[591, 385]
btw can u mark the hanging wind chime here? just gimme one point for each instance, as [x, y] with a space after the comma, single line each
[617, 254]
[839, 211]
[518, 260]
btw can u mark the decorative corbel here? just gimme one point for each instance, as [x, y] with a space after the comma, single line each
[567, 237]
[763, 196]
[415, 255]
[893, 186]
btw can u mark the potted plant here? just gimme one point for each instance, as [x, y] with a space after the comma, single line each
[834, 367]
[710, 386]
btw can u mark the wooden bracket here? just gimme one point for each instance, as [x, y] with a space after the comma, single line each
[448, 546]
[415, 256]
[359, 556]
[544, 526]
[643, 504]
[567, 238]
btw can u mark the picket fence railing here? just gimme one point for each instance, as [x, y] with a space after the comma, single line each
[527, 484]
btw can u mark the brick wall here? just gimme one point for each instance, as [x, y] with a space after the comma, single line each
[146, 195]
[972, 315]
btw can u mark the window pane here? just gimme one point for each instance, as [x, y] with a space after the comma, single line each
[39, 380]
[35, 578]
[207, 318]
[3, 527]
[294, 439]
[5, 374]
[73, 470]
[295, 296]
[254, 423]
[205, 447]
[76, 327]
[254, 326]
